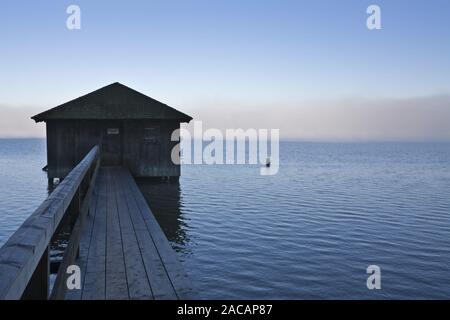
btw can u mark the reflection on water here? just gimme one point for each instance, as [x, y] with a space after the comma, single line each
[308, 232]
[164, 199]
[311, 230]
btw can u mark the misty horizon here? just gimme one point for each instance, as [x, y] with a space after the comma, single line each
[415, 119]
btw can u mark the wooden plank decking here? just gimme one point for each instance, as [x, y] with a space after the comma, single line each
[124, 254]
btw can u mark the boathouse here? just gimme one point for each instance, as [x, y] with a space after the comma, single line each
[132, 130]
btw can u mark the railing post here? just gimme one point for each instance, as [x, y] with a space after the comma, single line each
[74, 208]
[38, 286]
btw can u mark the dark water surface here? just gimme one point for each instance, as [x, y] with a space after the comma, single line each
[23, 184]
[308, 232]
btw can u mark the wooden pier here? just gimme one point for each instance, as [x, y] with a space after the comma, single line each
[115, 241]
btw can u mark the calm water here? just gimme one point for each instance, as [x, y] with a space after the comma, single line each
[308, 232]
[23, 184]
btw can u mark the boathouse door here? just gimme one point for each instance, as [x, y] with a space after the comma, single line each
[112, 145]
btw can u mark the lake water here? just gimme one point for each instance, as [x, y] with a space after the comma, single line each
[308, 232]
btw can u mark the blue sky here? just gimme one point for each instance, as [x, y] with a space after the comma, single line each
[187, 52]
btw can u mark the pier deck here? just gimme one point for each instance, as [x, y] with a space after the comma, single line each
[123, 252]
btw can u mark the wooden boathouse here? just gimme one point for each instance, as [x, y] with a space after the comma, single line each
[115, 241]
[132, 130]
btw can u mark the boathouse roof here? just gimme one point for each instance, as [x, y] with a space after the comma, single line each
[115, 101]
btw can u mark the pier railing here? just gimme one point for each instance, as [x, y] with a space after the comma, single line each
[24, 259]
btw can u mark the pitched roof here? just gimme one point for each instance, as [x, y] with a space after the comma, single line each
[114, 101]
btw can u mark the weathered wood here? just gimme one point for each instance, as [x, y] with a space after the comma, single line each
[135, 268]
[116, 277]
[38, 286]
[132, 129]
[160, 283]
[138, 271]
[72, 250]
[179, 279]
[94, 279]
[85, 241]
[22, 253]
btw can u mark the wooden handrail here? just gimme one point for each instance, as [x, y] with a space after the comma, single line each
[24, 259]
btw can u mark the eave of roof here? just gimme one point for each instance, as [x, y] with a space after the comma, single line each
[115, 101]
